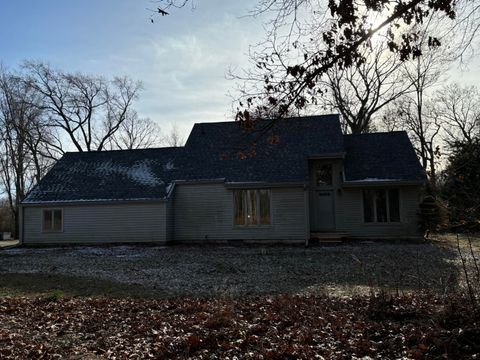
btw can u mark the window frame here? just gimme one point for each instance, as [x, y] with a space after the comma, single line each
[387, 204]
[257, 208]
[52, 211]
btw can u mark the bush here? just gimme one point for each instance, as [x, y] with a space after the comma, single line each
[461, 185]
[55, 296]
[433, 214]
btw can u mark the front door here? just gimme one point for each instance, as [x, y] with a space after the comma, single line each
[323, 217]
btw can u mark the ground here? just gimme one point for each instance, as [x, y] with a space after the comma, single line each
[358, 301]
[268, 327]
[144, 271]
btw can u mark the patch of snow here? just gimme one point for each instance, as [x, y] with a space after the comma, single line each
[245, 270]
[22, 251]
[169, 188]
[169, 166]
[123, 251]
[141, 172]
[92, 251]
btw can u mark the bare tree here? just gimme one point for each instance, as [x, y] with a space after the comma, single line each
[361, 91]
[309, 38]
[22, 160]
[88, 109]
[44, 111]
[174, 138]
[6, 221]
[459, 108]
[425, 129]
[417, 112]
[136, 133]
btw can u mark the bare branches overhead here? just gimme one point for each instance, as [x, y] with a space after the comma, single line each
[307, 39]
[163, 7]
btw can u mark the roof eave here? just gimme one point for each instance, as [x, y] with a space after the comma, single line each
[263, 184]
[91, 202]
[354, 183]
[199, 181]
[338, 155]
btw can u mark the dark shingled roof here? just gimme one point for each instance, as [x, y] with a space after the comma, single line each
[212, 150]
[381, 156]
[107, 175]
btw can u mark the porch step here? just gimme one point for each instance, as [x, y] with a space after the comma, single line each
[328, 237]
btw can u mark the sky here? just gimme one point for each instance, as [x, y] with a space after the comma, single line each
[181, 59]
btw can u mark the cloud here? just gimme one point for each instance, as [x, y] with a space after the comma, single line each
[184, 74]
[182, 59]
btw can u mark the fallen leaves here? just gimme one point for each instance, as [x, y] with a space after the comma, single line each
[272, 327]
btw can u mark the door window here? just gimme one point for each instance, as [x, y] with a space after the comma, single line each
[323, 175]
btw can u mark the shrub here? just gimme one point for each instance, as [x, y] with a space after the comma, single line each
[55, 295]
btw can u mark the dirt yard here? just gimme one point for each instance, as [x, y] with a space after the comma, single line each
[230, 271]
[240, 302]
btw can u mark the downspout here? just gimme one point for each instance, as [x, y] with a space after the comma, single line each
[170, 207]
[307, 214]
[21, 227]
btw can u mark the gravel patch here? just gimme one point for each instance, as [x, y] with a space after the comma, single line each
[247, 270]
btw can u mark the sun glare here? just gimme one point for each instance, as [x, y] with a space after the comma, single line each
[374, 21]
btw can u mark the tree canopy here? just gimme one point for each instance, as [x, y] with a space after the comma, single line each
[322, 36]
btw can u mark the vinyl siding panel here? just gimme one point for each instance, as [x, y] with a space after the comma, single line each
[349, 215]
[98, 224]
[205, 212]
[169, 220]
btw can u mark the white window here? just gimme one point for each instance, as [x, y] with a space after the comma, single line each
[52, 220]
[251, 207]
[381, 205]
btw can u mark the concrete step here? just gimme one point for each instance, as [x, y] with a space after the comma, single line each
[328, 237]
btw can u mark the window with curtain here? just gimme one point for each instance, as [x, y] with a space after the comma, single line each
[251, 207]
[381, 205]
[52, 220]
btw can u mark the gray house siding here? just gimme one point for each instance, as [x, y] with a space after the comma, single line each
[349, 215]
[205, 212]
[169, 218]
[99, 223]
[187, 193]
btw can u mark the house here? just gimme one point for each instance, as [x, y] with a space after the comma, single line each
[299, 179]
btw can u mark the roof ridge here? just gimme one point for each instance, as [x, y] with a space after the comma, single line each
[285, 118]
[379, 133]
[124, 150]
